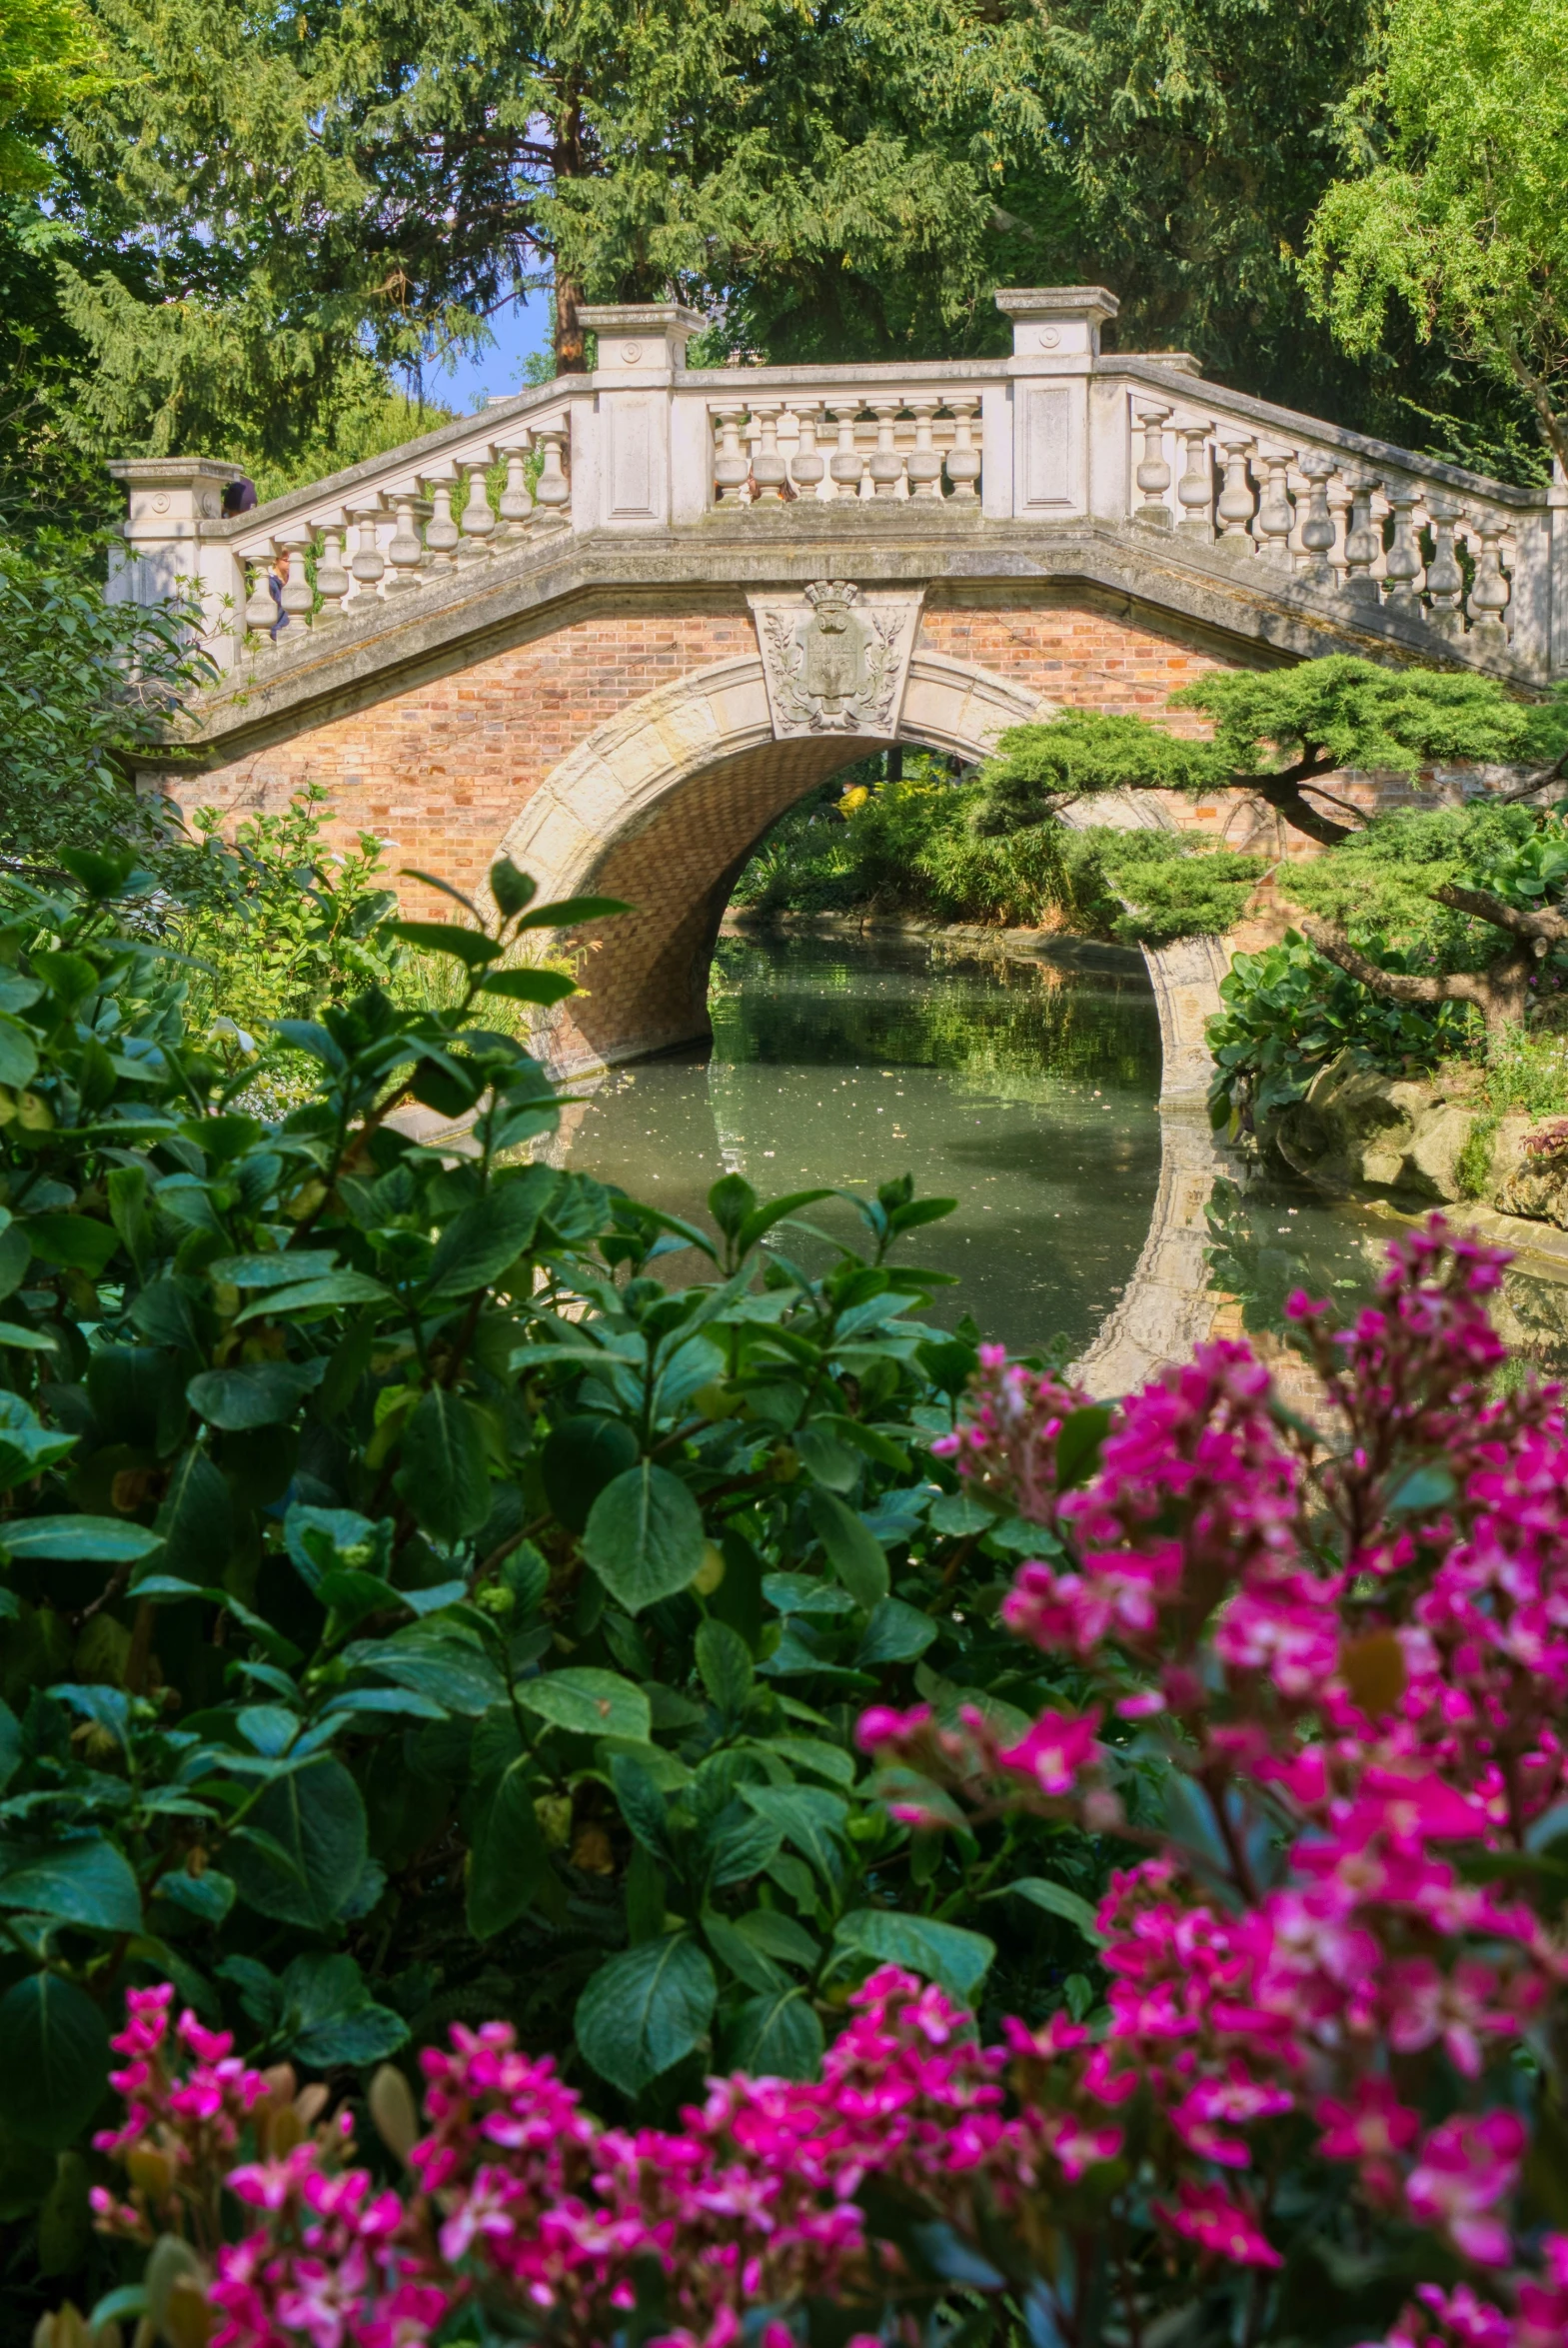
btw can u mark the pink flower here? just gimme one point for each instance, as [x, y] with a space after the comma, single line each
[1464, 2168]
[1055, 1748]
[1207, 2216]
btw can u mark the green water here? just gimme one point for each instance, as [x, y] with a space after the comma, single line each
[1024, 1091]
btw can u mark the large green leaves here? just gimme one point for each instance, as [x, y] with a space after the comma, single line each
[645, 1536]
[56, 2059]
[487, 1238]
[856, 1555]
[958, 1961]
[445, 1476]
[646, 2010]
[300, 1853]
[510, 1860]
[254, 1394]
[588, 1703]
[84, 1881]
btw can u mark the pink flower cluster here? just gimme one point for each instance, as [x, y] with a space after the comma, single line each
[178, 2125]
[1354, 1642]
[1005, 1447]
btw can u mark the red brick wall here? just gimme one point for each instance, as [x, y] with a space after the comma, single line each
[442, 768]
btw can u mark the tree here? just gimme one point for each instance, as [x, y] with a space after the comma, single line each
[46, 48]
[1276, 733]
[1456, 213]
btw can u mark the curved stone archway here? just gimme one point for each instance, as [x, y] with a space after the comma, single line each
[662, 805]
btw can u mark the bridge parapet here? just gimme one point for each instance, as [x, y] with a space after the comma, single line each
[1347, 532]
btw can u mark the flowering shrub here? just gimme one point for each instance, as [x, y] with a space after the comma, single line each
[1328, 2059]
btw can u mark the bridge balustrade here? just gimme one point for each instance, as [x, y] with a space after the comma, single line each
[1058, 439]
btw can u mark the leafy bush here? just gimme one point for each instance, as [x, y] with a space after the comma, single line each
[1378, 884]
[1288, 1012]
[415, 1609]
[916, 848]
[82, 682]
[1322, 2099]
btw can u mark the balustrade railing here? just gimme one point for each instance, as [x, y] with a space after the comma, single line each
[1387, 536]
[850, 443]
[1057, 438]
[388, 540]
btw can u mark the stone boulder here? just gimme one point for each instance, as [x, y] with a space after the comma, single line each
[1358, 1129]
[1536, 1187]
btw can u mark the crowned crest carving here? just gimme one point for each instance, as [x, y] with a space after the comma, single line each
[836, 657]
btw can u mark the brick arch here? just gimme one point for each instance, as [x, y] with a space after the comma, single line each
[662, 806]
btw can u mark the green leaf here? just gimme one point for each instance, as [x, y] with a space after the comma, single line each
[96, 1540]
[587, 1702]
[1426, 1488]
[856, 1555]
[827, 1461]
[445, 1473]
[579, 1458]
[335, 1287]
[74, 1241]
[252, 1393]
[329, 2015]
[306, 1870]
[724, 1663]
[567, 912]
[487, 1238]
[646, 2010]
[1057, 1900]
[756, 1226]
[283, 1269]
[458, 1676]
[10, 1745]
[644, 1538]
[509, 1860]
[469, 946]
[896, 1633]
[958, 1960]
[807, 1818]
[542, 986]
[810, 1752]
[196, 1520]
[85, 1882]
[18, 1052]
[776, 2036]
[511, 888]
[1078, 1445]
[56, 2066]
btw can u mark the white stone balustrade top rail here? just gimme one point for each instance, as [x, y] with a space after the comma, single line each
[1058, 436]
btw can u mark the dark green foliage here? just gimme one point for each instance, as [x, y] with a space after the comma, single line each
[1288, 1012]
[412, 1607]
[919, 847]
[66, 708]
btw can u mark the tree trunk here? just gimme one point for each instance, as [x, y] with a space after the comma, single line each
[1501, 994]
[566, 162]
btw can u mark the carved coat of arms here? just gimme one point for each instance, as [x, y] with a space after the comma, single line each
[838, 667]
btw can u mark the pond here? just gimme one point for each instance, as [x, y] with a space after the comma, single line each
[1026, 1090]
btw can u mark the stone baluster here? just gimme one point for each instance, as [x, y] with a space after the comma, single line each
[1444, 578]
[846, 464]
[732, 465]
[440, 532]
[260, 610]
[886, 464]
[405, 552]
[1153, 474]
[1489, 589]
[1318, 527]
[552, 491]
[808, 465]
[1340, 508]
[1195, 488]
[369, 564]
[769, 470]
[299, 596]
[1363, 540]
[1403, 566]
[1235, 499]
[964, 458]
[923, 466]
[478, 517]
[517, 506]
[331, 578]
[1276, 513]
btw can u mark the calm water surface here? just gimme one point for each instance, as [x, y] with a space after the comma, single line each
[1024, 1091]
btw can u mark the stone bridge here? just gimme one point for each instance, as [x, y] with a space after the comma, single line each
[616, 625]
